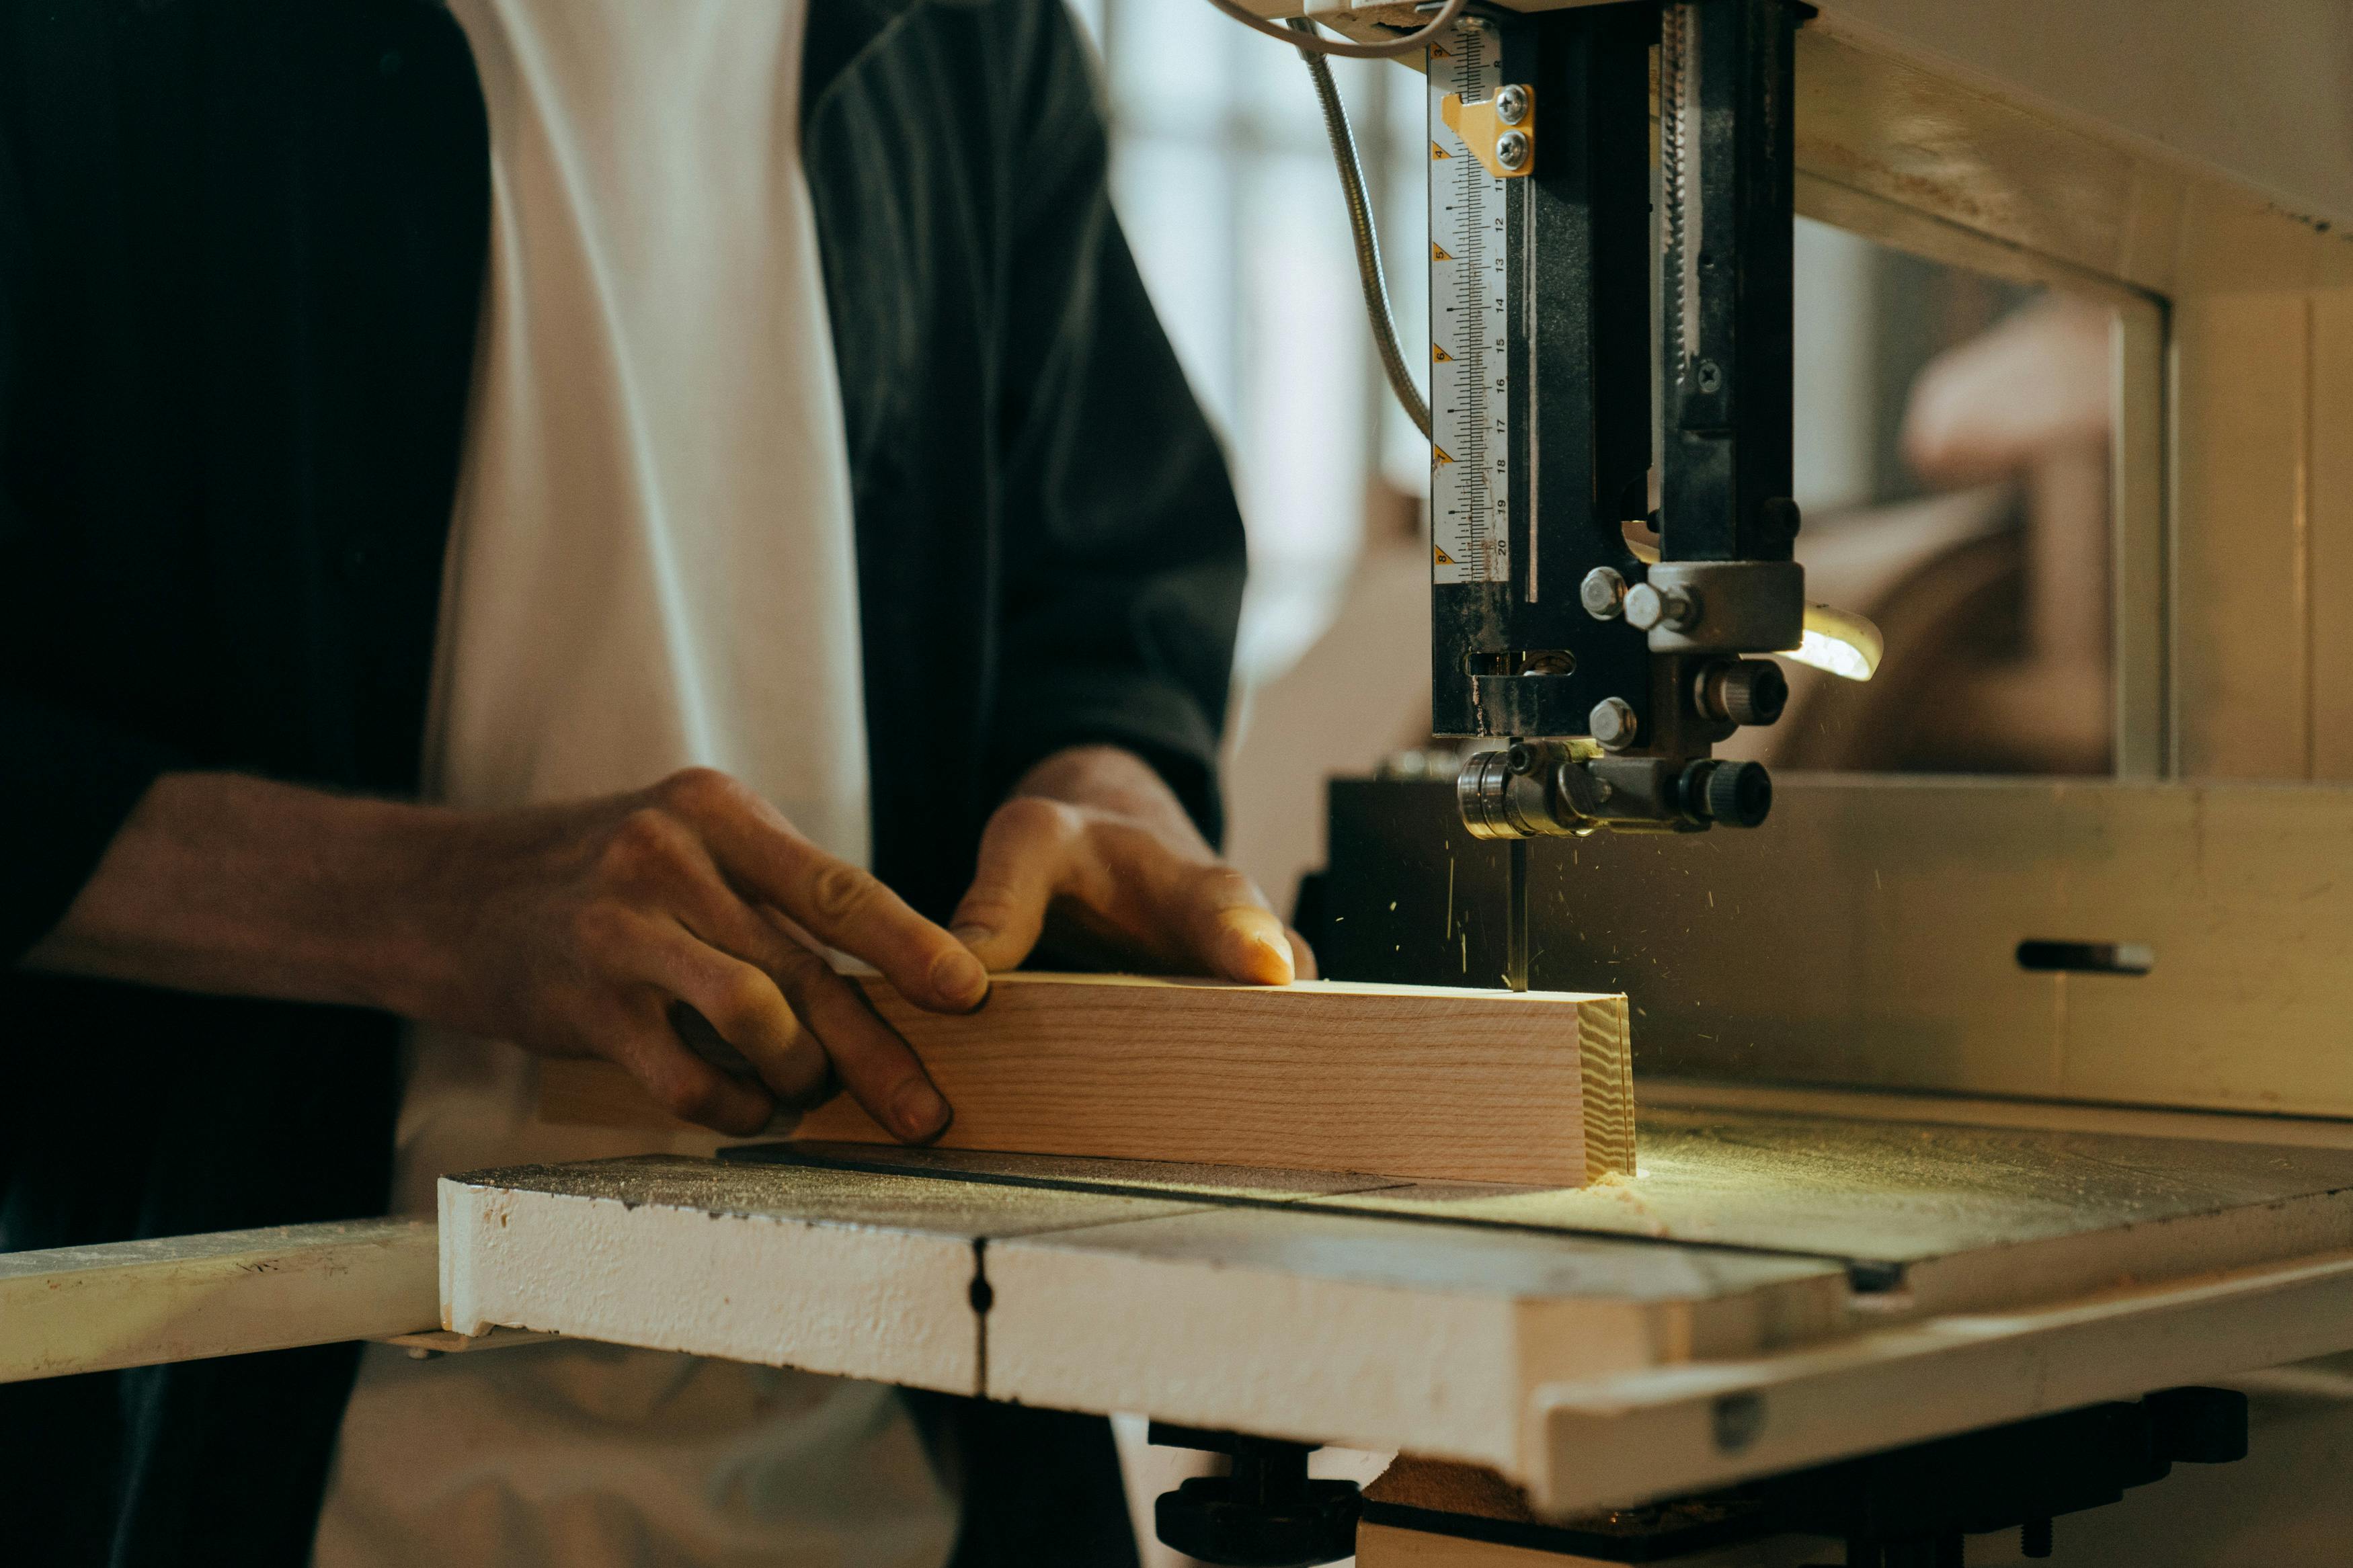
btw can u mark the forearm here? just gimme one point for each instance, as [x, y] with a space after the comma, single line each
[234, 885]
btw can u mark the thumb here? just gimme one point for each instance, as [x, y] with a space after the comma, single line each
[1023, 854]
[1231, 931]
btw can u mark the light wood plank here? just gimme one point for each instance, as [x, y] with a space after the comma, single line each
[2241, 605]
[2331, 530]
[1395, 1081]
[1868, 937]
[139, 1304]
[2142, 550]
[856, 1274]
[1369, 1332]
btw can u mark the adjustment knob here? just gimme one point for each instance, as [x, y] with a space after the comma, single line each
[1739, 794]
[1741, 691]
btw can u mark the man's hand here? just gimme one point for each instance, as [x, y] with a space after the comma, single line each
[1093, 852]
[576, 930]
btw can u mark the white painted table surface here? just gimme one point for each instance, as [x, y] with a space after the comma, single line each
[1776, 1287]
[138, 1303]
[1691, 1326]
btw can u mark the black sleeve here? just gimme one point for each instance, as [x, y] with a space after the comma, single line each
[1123, 544]
[66, 780]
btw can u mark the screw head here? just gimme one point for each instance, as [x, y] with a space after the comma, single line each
[1512, 104]
[1512, 149]
[1603, 592]
[1711, 376]
[1613, 722]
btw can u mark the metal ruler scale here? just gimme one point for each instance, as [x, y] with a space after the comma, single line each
[1469, 314]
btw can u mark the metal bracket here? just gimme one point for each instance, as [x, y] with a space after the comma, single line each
[1500, 132]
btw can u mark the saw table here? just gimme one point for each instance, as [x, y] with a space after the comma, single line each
[1778, 1286]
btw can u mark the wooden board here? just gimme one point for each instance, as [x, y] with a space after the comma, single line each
[139, 1304]
[1426, 1081]
[1869, 937]
[849, 1273]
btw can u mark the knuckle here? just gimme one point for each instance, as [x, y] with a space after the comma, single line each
[687, 1100]
[601, 929]
[797, 973]
[694, 790]
[1034, 816]
[648, 841]
[688, 1095]
[838, 891]
[742, 1000]
[1222, 886]
[992, 906]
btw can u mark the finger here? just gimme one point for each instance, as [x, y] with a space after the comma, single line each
[1206, 918]
[683, 1083]
[881, 1070]
[1303, 957]
[1227, 927]
[1024, 855]
[1245, 941]
[837, 903]
[735, 999]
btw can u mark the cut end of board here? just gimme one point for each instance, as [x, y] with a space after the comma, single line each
[1425, 1082]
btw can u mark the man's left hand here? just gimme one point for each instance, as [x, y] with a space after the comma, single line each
[1094, 850]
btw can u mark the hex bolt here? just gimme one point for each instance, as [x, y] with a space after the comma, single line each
[1613, 722]
[1648, 606]
[1512, 149]
[1603, 592]
[1512, 104]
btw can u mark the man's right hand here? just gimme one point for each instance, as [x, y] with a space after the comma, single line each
[574, 930]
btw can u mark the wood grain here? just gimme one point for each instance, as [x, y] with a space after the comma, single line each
[1428, 1082]
[1870, 938]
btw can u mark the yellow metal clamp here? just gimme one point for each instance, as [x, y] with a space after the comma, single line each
[1500, 132]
